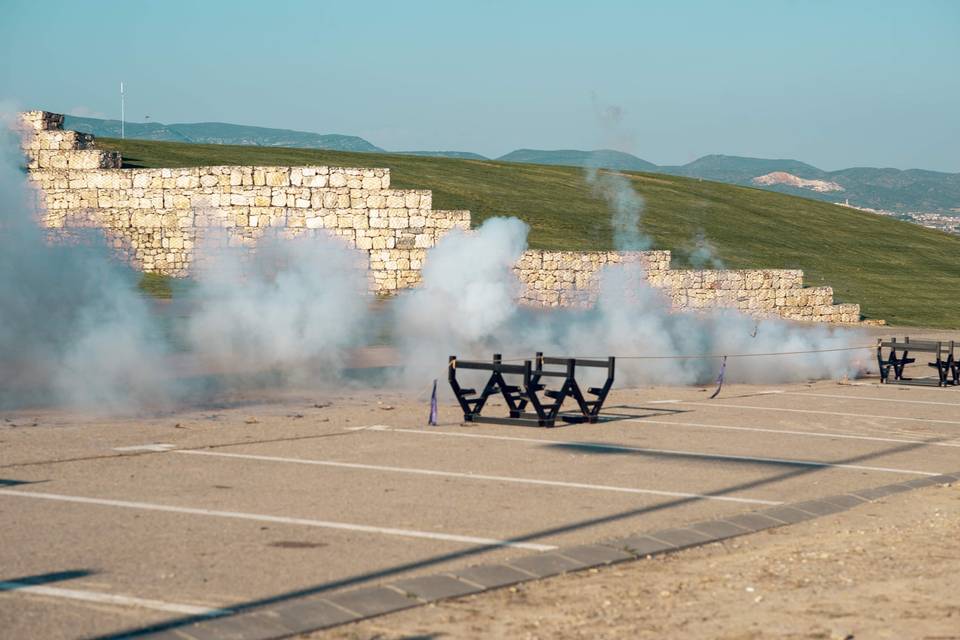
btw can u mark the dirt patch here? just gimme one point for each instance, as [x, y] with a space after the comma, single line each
[883, 570]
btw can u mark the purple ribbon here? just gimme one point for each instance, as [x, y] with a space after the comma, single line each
[723, 370]
[432, 420]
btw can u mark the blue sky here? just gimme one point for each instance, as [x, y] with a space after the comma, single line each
[836, 84]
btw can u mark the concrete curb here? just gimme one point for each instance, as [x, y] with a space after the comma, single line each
[316, 612]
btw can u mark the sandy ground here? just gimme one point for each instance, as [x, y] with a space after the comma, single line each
[884, 570]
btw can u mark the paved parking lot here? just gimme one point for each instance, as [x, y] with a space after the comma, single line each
[114, 526]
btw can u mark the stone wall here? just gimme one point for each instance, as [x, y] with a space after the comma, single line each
[569, 279]
[47, 146]
[156, 219]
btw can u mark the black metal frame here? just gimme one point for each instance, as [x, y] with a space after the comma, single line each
[946, 363]
[589, 409]
[519, 397]
[472, 404]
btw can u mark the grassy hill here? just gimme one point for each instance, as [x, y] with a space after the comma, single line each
[891, 189]
[847, 249]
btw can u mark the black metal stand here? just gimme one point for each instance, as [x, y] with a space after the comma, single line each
[527, 392]
[945, 363]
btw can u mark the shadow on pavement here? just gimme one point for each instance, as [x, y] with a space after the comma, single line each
[473, 552]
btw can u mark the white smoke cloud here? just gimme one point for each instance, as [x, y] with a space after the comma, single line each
[632, 318]
[295, 306]
[468, 295]
[626, 205]
[75, 330]
[72, 328]
[467, 307]
[702, 253]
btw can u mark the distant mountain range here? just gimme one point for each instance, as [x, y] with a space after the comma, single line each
[895, 190]
[463, 155]
[219, 133]
[601, 159]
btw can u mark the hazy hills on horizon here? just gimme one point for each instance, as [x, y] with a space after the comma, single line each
[897, 190]
[218, 133]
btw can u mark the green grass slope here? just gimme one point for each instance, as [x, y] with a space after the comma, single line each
[898, 271]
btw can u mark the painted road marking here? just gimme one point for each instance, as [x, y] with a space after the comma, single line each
[829, 395]
[816, 434]
[323, 524]
[693, 454]
[478, 476]
[825, 413]
[110, 598]
[146, 447]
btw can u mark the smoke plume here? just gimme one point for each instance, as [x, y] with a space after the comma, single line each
[293, 307]
[467, 297]
[75, 330]
[467, 307]
[625, 204]
[702, 253]
[72, 328]
[626, 207]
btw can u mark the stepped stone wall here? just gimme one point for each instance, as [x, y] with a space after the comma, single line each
[156, 219]
[48, 146]
[569, 279]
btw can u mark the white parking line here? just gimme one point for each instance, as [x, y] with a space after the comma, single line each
[110, 598]
[815, 434]
[812, 411]
[692, 454]
[324, 524]
[146, 447]
[898, 400]
[478, 476]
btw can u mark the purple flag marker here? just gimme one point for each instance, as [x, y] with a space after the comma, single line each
[432, 420]
[723, 370]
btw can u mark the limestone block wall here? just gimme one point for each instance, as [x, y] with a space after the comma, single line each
[157, 218]
[47, 146]
[569, 279]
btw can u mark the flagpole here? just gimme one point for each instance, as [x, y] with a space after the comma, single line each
[122, 113]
